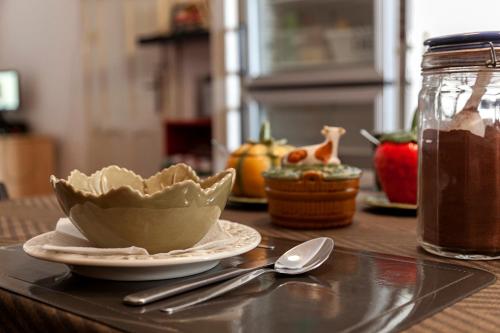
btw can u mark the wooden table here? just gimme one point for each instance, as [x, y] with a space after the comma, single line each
[23, 218]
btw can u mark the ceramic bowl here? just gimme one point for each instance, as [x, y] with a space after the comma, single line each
[171, 210]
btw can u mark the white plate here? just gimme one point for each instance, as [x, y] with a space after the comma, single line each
[381, 201]
[147, 267]
[247, 200]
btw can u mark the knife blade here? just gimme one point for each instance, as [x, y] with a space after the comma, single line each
[176, 288]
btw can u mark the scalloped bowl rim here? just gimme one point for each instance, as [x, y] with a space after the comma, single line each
[196, 181]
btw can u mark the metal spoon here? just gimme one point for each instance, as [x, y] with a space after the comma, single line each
[368, 136]
[298, 260]
[469, 118]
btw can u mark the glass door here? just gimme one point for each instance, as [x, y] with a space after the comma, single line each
[319, 41]
[298, 115]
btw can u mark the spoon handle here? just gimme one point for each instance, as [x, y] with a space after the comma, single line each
[213, 292]
[478, 90]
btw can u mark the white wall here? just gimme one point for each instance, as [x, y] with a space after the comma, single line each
[85, 81]
[431, 18]
[119, 100]
[41, 39]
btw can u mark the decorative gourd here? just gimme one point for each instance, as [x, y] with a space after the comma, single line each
[252, 159]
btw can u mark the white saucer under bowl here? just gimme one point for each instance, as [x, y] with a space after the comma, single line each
[147, 267]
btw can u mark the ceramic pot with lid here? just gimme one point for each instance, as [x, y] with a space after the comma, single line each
[459, 140]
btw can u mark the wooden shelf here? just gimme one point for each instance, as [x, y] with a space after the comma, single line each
[191, 136]
[176, 37]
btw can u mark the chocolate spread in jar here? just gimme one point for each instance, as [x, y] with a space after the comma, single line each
[460, 190]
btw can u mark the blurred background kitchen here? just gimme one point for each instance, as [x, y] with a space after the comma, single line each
[147, 83]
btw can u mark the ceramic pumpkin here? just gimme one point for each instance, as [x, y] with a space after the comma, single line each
[252, 159]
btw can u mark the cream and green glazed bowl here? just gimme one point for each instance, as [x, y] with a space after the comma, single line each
[171, 210]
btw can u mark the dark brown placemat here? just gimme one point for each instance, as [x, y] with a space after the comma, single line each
[353, 291]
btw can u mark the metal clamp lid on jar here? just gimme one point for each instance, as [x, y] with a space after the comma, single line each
[462, 52]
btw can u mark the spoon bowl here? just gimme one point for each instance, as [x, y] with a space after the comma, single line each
[302, 257]
[298, 260]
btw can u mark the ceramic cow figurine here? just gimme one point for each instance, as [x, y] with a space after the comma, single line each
[323, 153]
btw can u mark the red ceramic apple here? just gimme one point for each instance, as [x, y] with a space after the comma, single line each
[396, 164]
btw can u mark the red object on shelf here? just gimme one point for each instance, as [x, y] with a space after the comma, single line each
[396, 165]
[188, 137]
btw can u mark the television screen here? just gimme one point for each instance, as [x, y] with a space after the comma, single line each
[9, 90]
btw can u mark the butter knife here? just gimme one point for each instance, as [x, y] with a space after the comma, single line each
[154, 294]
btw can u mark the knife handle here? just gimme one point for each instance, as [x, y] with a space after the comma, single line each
[154, 294]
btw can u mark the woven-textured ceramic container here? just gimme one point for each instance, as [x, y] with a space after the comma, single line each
[312, 201]
[171, 210]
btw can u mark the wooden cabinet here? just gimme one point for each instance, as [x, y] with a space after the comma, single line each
[26, 163]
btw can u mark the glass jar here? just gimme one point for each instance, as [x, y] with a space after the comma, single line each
[459, 141]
